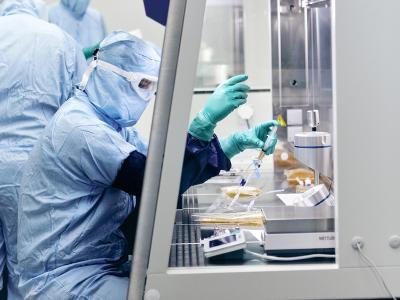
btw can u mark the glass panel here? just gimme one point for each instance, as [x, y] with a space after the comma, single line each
[282, 205]
[288, 46]
[221, 52]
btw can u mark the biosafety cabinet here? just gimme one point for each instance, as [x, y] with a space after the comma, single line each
[320, 218]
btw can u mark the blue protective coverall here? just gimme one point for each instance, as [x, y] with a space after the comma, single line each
[70, 242]
[39, 66]
[40, 8]
[83, 23]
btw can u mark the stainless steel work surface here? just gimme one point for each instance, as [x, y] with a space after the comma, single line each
[186, 250]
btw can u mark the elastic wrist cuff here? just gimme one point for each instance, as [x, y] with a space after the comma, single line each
[201, 128]
[230, 147]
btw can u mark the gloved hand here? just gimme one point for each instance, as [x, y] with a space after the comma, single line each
[251, 139]
[89, 51]
[226, 98]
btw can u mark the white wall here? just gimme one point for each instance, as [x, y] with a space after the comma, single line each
[257, 43]
[128, 15]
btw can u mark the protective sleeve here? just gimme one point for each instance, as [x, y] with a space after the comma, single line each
[130, 176]
[93, 154]
[202, 161]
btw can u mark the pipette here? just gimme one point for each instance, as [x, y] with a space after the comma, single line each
[271, 137]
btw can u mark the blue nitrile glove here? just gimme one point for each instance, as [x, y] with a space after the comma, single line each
[226, 98]
[251, 139]
[89, 51]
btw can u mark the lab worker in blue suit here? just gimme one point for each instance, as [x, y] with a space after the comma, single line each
[40, 7]
[80, 183]
[84, 24]
[39, 67]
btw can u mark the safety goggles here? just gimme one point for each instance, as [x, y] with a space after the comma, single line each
[144, 85]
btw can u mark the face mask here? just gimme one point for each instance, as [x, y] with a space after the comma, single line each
[144, 85]
[78, 7]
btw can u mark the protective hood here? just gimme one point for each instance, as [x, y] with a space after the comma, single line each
[113, 94]
[77, 7]
[13, 7]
